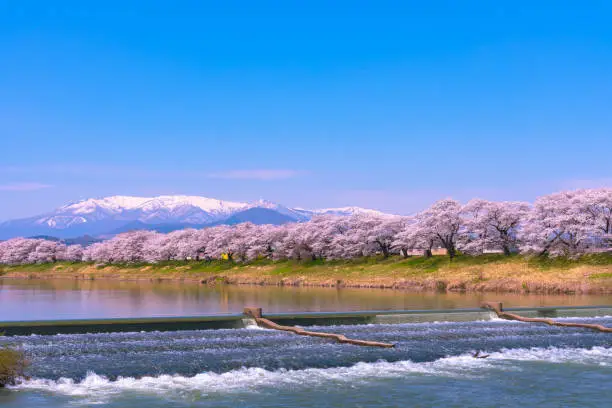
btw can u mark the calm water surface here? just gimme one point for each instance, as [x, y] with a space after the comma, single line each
[65, 299]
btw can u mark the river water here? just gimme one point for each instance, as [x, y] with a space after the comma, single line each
[67, 299]
[431, 365]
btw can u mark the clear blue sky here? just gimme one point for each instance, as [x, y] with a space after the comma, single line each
[389, 105]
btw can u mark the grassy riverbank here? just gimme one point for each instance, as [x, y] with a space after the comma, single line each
[12, 365]
[589, 274]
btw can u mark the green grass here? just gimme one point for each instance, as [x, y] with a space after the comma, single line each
[562, 262]
[366, 266]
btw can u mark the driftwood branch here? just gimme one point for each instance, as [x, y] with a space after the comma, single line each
[255, 313]
[498, 309]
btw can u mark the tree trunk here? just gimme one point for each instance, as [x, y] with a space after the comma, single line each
[385, 251]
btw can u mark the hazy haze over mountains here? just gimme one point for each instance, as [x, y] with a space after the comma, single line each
[115, 214]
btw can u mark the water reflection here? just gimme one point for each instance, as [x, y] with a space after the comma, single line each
[64, 299]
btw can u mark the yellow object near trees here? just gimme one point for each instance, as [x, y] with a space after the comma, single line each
[225, 257]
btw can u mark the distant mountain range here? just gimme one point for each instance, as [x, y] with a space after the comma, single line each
[108, 216]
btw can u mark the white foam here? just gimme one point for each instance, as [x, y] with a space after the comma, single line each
[96, 389]
[251, 324]
[594, 356]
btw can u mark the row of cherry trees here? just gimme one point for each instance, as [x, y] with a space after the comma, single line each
[567, 223]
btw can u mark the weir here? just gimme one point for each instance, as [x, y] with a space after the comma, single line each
[240, 320]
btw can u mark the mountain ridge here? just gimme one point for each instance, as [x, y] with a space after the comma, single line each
[114, 214]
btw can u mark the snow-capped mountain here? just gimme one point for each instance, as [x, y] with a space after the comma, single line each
[344, 211]
[110, 215]
[192, 209]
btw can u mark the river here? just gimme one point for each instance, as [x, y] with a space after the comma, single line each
[431, 365]
[67, 299]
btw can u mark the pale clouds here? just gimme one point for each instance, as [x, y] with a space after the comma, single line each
[259, 174]
[23, 186]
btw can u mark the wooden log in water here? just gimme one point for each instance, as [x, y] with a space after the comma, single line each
[497, 307]
[256, 313]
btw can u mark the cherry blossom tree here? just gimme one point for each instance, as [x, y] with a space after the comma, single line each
[266, 242]
[133, 246]
[412, 239]
[299, 241]
[493, 225]
[31, 250]
[219, 243]
[241, 240]
[72, 253]
[598, 204]
[96, 252]
[442, 224]
[16, 251]
[337, 242]
[557, 226]
[321, 231]
[197, 247]
[379, 232]
[45, 251]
